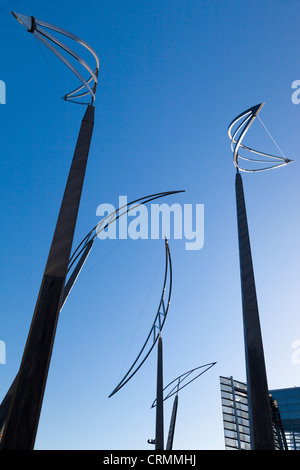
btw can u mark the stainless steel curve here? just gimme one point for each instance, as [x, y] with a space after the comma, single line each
[36, 27]
[236, 137]
[156, 327]
[181, 378]
[112, 217]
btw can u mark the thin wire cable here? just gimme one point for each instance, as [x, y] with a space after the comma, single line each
[272, 138]
[60, 89]
[101, 259]
[140, 317]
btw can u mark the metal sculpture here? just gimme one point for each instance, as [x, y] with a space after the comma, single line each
[26, 403]
[113, 217]
[37, 28]
[157, 324]
[174, 391]
[248, 117]
[258, 392]
[80, 255]
[181, 378]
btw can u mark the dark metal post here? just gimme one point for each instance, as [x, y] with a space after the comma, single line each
[258, 394]
[172, 424]
[159, 433]
[5, 404]
[23, 417]
[4, 407]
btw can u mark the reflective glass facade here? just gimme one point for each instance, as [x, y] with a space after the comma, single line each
[285, 405]
[286, 416]
[235, 414]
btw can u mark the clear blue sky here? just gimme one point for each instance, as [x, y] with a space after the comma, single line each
[173, 74]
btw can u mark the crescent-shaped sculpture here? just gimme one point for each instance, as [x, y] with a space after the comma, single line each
[80, 255]
[112, 217]
[237, 137]
[157, 324]
[37, 28]
[181, 378]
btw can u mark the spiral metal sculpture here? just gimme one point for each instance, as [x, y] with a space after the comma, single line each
[261, 430]
[269, 162]
[39, 29]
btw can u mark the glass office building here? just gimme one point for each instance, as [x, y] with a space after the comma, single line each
[285, 405]
[286, 416]
[235, 414]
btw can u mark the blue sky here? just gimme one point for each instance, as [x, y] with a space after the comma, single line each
[173, 74]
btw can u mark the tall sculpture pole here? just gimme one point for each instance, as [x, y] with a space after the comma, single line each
[5, 404]
[157, 325]
[23, 416]
[172, 423]
[154, 337]
[258, 391]
[261, 431]
[159, 430]
[79, 257]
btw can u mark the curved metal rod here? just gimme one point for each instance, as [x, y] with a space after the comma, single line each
[248, 117]
[179, 380]
[36, 26]
[112, 217]
[73, 277]
[85, 250]
[157, 325]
